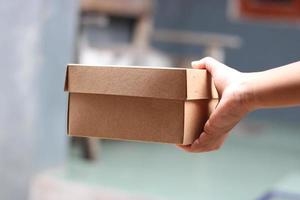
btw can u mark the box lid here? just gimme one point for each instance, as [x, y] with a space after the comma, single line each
[150, 82]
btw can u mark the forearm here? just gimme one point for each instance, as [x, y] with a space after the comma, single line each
[278, 87]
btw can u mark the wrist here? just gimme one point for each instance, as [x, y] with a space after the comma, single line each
[247, 93]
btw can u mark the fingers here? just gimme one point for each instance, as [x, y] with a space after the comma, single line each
[211, 139]
[206, 63]
[184, 147]
[205, 143]
[213, 66]
[228, 112]
[208, 142]
[216, 129]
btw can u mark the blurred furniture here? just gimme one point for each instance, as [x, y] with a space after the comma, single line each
[133, 8]
[139, 10]
[98, 13]
[214, 44]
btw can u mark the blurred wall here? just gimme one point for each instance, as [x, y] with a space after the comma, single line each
[36, 42]
[265, 45]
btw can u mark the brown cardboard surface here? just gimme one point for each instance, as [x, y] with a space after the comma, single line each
[195, 116]
[122, 117]
[168, 105]
[162, 83]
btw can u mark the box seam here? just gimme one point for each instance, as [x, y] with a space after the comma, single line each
[156, 98]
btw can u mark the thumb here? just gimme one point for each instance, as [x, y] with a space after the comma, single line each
[210, 64]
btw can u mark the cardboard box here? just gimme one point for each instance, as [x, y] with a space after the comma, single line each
[168, 105]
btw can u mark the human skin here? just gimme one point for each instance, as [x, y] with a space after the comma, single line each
[241, 93]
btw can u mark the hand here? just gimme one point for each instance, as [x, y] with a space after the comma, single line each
[234, 103]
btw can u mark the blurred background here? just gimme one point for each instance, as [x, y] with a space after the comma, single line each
[260, 160]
